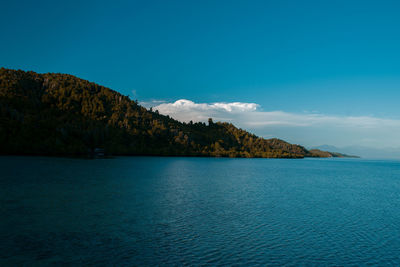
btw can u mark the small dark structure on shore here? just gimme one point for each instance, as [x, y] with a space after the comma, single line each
[97, 153]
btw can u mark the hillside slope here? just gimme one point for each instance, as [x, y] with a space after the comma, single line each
[326, 154]
[59, 114]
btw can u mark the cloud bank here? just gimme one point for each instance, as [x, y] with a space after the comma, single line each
[309, 129]
[186, 110]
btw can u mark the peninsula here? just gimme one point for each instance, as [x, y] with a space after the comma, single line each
[60, 114]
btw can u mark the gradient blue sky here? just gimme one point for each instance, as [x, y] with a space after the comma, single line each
[338, 58]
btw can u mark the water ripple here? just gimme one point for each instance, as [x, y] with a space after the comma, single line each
[196, 212]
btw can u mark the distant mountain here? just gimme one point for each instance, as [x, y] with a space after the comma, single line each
[326, 154]
[327, 148]
[59, 114]
[364, 152]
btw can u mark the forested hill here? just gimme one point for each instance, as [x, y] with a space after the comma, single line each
[59, 114]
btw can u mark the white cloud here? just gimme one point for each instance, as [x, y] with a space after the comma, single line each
[186, 105]
[307, 129]
[186, 110]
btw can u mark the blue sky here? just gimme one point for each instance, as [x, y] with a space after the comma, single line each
[332, 58]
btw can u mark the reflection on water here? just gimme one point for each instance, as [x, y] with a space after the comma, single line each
[195, 211]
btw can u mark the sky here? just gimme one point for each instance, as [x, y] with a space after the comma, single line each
[309, 72]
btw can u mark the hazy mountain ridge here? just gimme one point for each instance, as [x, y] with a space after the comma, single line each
[328, 154]
[364, 152]
[60, 114]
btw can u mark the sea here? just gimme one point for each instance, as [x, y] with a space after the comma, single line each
[177, 211]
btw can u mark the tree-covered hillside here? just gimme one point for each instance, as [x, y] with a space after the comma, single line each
[59, 114]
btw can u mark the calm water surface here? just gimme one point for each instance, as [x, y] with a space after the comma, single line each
[148, 211]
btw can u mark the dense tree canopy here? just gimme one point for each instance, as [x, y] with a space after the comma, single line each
[59, 114]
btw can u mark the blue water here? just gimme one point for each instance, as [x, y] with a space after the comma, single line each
[148, 211]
